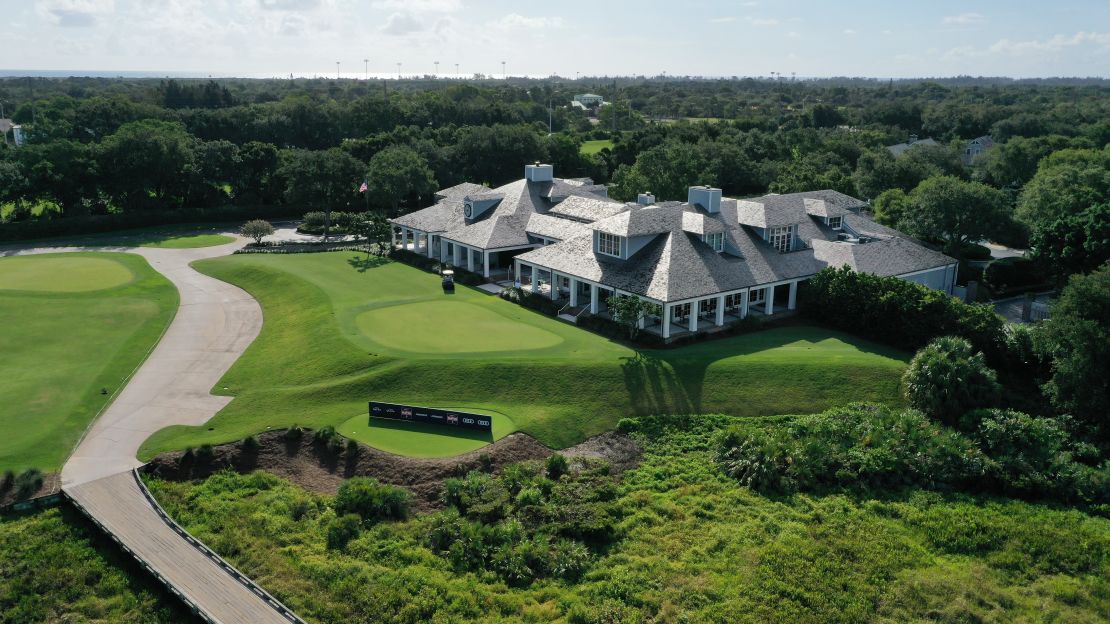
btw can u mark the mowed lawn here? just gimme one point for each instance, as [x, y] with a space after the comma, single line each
[71, 325]
[184, 236]
[341, 330]
[594, 147]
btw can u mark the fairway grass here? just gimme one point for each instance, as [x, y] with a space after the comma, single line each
[341, 330]
[71, 325]
[593, 147]
[186, 236]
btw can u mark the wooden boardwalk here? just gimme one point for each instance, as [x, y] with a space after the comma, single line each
[122, 507]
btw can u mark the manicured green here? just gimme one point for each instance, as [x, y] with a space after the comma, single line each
[187, 236]
[420, 440]
[55, 566]
[341, 329]
[593, 147]
[71, 325]
[684, 543]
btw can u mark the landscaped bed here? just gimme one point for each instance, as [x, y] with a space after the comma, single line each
[73, 327]
[342, 329]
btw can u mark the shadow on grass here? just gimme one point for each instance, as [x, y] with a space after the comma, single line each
[439, 430]
[363, 263]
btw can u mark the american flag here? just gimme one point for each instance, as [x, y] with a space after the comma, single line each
[363, 188]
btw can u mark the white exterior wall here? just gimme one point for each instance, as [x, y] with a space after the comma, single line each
[941, 278]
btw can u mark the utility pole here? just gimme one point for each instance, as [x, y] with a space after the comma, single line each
[437, 68]
[456, 70]
[366, 69]
[550, 113]
[398, 71]
[337, 70]
[503, 75]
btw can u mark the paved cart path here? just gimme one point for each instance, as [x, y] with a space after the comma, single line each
[214, 324]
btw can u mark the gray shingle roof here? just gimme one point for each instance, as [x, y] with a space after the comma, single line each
[769, 211]
[901, 148]
[459, 191]
[441, 217]
[494, 233]
[587, 209]
[557, 228]
[657, 219]
[887, 257]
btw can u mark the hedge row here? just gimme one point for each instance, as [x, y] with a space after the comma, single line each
[92, 224]
[898, 312]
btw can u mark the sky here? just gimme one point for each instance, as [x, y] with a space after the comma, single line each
[895, 38]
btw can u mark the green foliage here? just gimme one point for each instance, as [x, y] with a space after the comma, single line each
[1076, 340]
[398, 174]
[55, 566]
[955, 211]
[342, 529]
[628, 311]
[257, 229]
[372, 501]
[1077, 243]
[890, 207]
[557, 466]
[1006, 274]
[946, 379]
[898, 312]
[864, 447]
[27, 483]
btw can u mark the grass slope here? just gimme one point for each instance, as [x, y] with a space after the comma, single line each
[55, 566]
[186, 236]
[340, 330]
[70, 325]
[691, 546]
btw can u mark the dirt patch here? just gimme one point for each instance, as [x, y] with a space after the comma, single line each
[321, 468]
[51, 484]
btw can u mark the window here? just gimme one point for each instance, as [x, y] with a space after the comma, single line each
[836, 222]
[680, 312]
[757, 296]
[734, 301]
[715, 240]
[609, 244]
[782, 238]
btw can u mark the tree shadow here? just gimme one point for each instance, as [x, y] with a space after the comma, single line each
[363, 263]
[656, 386]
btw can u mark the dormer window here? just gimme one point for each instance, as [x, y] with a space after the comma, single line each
[836, 222]
[609, 244]
[716, 240]
[468, 210]
[782, 237]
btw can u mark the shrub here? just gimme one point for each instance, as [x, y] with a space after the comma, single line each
[557, 466]
[249, 444]
[1007, 274]
[975, 251]
[27, 483]
[342, 530]
[205, 454]
[324, 434]
[859, 446]
[628, 425]
[6, 481]
[372, 501]
[257, 229]
[946, 379]
[294, 433]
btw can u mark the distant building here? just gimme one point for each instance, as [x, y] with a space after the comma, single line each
[975, 148]
[589, 100]
[13, 130]
[901, 148]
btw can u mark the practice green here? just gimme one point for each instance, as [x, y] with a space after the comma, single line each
[425, 440]
[65, 352]
[342, 329]
[59, 273]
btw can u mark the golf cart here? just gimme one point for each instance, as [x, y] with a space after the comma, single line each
[448, 280]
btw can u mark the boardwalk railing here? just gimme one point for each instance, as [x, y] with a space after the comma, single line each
[234, 573]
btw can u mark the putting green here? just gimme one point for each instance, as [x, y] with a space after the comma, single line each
[446, 326]
[62, 274]
[423, 440]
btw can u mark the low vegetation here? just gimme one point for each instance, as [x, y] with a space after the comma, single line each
[56, 567]
[675, 539]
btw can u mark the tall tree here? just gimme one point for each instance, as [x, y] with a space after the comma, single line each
[954, 211]
[144, 163]
[399, 174]
[324, 180]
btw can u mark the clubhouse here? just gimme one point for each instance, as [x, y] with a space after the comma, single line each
[706, 262]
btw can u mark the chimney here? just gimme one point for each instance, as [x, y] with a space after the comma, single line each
[708, 199]
[539, 173]
[645, 198]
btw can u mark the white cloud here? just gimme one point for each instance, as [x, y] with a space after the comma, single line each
[1033, 47]
[75, 12]
[763, 21]
[723, 20]
[849, 31]
[964, 19]
[419, 6]
[793, 34]
[514, 21]
[288, 5]
[403, 23]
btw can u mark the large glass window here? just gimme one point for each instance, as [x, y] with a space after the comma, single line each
[782, 238]
[757, 296]
[715, 240]
[609, 244]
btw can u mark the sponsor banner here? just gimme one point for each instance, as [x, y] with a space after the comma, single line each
[430, 415]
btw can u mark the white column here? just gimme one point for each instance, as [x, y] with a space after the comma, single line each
[744, 304]
[554, 290]
[792, 301]
[695, 308]
[443, 249]
[485, 263]
[640, 322]
[456, 254]
[393, 232]
[770, 306]
[666, 321]
[516, 272]
[428, 245]
[469, 259]
[573, 293]
[593, 299]
[720, 310]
